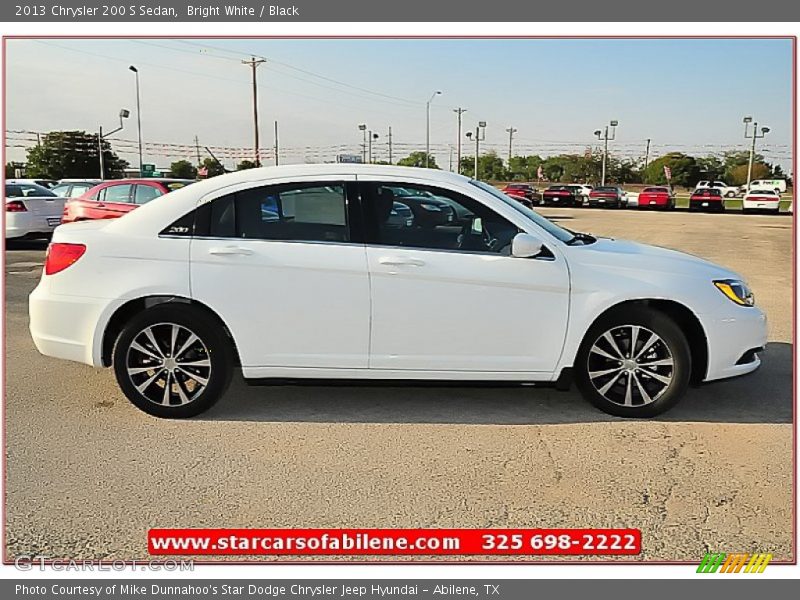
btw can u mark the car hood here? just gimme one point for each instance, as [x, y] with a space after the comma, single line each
[624, 254]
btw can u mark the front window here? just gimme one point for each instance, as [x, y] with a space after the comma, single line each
[118, 193]
[550, 227]
[431, 218]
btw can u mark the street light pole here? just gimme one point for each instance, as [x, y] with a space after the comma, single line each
[363, 129]
[428, 128]
[138, 115]
[605, 137]
[459, 111]
[754, 136]
[480, 134]
[124, 113]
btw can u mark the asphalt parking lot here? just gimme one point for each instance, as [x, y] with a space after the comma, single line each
[88, 474]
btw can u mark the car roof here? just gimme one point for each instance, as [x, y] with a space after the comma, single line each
[184, 199]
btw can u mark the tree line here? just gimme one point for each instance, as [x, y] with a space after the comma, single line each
[75, 154]
[686, 170]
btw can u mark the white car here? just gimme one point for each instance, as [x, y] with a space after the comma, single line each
[585, 189]
[727, 191]
[178, 293]
[761, 200]
[31, 210]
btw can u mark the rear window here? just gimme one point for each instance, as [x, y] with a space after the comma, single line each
[25, 190]
[605, 189]
[655, 190]
[763, 192]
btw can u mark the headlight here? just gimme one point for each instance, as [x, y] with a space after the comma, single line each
[737, 291]
[431, 207]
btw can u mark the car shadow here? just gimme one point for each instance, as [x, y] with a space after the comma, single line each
[762, 397]
[25, 244]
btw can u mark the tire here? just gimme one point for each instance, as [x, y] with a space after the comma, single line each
[654, 389]
[207, 361]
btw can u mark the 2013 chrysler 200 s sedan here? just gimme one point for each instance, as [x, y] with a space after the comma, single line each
[296, 272]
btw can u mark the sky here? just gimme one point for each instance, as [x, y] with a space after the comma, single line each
[685, 95]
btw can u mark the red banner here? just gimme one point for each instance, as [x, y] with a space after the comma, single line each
[352, 542]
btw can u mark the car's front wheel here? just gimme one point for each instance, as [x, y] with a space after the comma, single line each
[634, 362]
[173, 361]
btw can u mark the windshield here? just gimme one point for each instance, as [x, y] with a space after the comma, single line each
[551, 228]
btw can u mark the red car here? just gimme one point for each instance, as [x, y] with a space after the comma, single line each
[523, 192]
[707, 199]
[112, 199]
[657, 197]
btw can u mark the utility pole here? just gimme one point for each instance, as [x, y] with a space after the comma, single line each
[511, 131]
[647, 154]
[100, 150]
[276, 143]
[459, 111]
[390, 144]
[606, 137]
[754, 136]
[450, 146]
[253, 63]
[197, 147]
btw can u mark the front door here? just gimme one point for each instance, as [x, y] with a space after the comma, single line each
[447, 295]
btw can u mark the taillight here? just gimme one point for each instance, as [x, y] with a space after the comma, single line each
[15, 206]
[61, 256]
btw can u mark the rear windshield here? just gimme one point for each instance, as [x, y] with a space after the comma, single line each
[555, 188]
[656, 191]
[24, 190]
[763, 192]
[605, 189]
[709, 192]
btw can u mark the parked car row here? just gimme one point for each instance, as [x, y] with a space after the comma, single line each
[708, 196]
[34, 210]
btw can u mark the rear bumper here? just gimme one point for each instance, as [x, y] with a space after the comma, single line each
[706, 205]
[732, 340]
[26, 224]
[761, 204]
[65, 326]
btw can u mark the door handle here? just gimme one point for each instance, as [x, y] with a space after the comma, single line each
[230, 251]
[395, 261]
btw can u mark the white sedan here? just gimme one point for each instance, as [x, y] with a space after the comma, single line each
[31, 210]
[761, 200]
[297, 272]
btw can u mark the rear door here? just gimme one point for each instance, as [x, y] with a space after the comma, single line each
[145, 192]
[279, 265]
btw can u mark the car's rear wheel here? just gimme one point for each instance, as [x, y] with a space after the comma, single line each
[634, 362]
[173, 361]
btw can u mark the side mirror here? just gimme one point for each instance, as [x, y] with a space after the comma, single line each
[525, 245]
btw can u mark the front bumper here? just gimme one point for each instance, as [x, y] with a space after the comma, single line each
[732, 338]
